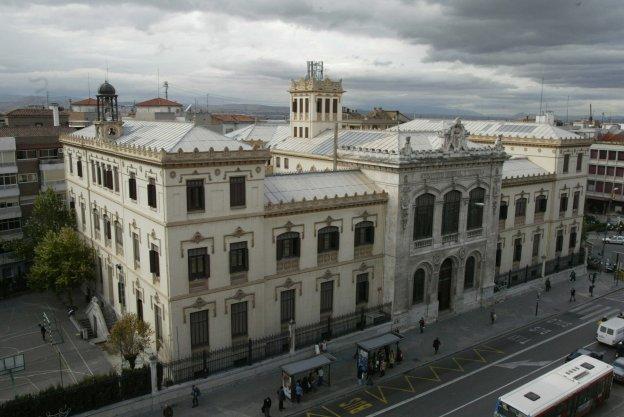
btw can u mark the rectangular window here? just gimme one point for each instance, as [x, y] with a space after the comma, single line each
[541, 203]
[294, 105]
[239, 319]
[26, 154]
[79, 167]
[115, 179]
[517, 256]
[335, 106]
[239, 257]
[499, 254]
[559, 242]
[10, 224]
[195, 195]
[8, 179]
[563, 203]
[327, 296]
[151, 193]
[305, 135]
[619, 172]
[593, 153]
[327, 105]
[502, 214]
[286, 163]
[521, 204]
[608, 187]
[277, 161]
[27, 178]
[601, 169]
[132, 187]
[70, 163]
[118, 234]
[592, 169]
[48, 153]
[121, 292]
[107, 229]
[158, 323]
[199, 329]
[109, 178]
[319, 105]
[287, 306]
[576, 200]
[603, 154]
[136, 249]
[566, 163]
[307, 105]
[154, 261]
[572, 244]
[300, 132]
[536, 245]
[591, 185]
[99, 173]
[620, 156]
[295, 131]
[361, 289]
[579, 162]
[610, 171]
[139, 305]
[237, 191]
[96, 221]
[612, 155]
[599, 186]
[198, 264]
[93, 172]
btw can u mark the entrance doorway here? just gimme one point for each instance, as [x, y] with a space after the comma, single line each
[444, 285]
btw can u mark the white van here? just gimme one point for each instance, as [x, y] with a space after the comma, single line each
[611, 332]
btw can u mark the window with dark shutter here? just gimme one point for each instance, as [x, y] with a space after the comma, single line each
[239, 257]
[361, 289]
[541, 202]
[576, 200]
[566, 163]
[521, 205]
[364, 233]
[559, 241]
[239, 319]
[572, 243]
[418, 289]
[517, 250]
[499, 254]
[237, 191]
[328, 239]
[79, 167]
[287, 306]
[579, 162]
[450, 212]
[199, 329]
[132, 188]
[154, 262]
[563, 203]
[287, 245]
[536, 245]
[198, 264]
[195, 195]
[475, 208]
[327, 296]
[469, 272]
[423, 216]
[502, 214]
[151, 193]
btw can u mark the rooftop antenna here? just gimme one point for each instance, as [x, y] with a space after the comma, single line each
[591, 118]
[166, 86]
[541, 97]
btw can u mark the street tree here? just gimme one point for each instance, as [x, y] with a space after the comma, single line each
[49, 213]
[62, 263]
[129, 337]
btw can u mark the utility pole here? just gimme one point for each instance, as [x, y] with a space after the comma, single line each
[166, 86]
[541, 97]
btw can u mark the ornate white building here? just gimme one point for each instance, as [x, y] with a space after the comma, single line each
[194, 236]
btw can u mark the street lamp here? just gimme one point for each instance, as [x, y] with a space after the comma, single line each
[537, 300]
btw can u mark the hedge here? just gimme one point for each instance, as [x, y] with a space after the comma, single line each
[88, 394]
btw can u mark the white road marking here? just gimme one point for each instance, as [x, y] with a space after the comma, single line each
[476, 371]
[583, 309]
[514, 365]
[603, 312]
[77, 350]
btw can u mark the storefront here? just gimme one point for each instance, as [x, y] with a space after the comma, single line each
[312, 368]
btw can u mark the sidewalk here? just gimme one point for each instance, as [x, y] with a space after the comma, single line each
[244, 397]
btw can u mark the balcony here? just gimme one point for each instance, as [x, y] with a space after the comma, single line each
[519, 221]
[470, 234]
[363, 251]
[9, 190]
[422, 243]
[51, 164]
[327, 258]
[287, 265]
[238, 278]
[10, 212]
[538, 217]
[56, 185]
[450, 238]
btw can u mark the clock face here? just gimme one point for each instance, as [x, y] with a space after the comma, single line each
[112, 131]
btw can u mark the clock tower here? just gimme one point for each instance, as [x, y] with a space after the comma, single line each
[108, 124]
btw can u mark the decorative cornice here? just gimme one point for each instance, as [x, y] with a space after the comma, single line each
[325, 203]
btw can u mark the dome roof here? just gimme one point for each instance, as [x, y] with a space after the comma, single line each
[106, 89]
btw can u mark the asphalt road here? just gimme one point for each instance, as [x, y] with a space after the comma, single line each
[467, 383]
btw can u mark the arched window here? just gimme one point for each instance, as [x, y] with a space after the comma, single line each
[541, 203]
[287, 245]
[364, 233]
[450, 212]
[328, 239]
[475, 209]
[423, 216]
[418, 290]
[469, 272]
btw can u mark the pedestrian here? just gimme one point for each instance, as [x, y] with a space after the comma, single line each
[298, 391]
[572, 276]
[195, 394]
[281, 397]
[591, 290]
[547, 284]
[321, 374]
[436, 345]
[167, 411]
[421, 323]
[492, 316]
[391, 359]
[266, 407]
[399, 355]
[594, 276]
[43, 331]
[572, 294]
[382, 367]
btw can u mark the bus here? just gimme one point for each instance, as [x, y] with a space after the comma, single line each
[573, 389]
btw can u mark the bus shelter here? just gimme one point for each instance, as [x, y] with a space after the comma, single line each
[370, 351]
[295, 370]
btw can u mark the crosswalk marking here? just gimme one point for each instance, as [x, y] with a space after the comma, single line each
[586, 308]
[608, 312]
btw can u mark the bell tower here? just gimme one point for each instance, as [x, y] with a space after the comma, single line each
[315, 102]
[108, 124]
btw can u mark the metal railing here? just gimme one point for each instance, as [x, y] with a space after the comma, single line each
[474, 233]
[451, 237]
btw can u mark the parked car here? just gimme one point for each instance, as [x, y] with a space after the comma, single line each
[619, 350]
[616, 240]
[618, 370]
[583, 351]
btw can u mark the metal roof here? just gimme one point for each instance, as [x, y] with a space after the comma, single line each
[309, 185]
[521, 167]
[169, 136]
[494, 128]
[380, 341]
[269, 133]
[309, 364]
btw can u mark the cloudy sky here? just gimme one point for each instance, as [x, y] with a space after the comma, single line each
[487, 56]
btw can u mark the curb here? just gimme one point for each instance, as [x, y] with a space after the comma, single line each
[348, 390]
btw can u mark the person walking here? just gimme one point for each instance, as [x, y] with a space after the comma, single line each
[572, 276]
[421, 323]
[266, 407]
[382, 367]
[594, 276]
[591, 290]
[195, 394]
[572, 294]
[321, 374]
[492, 316]
[436, 345]
[281, 397]
[298, 391]
[167, 411]
[547, 284]
[43, 331]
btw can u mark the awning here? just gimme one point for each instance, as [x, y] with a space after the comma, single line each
[306, 365]
[380, 341]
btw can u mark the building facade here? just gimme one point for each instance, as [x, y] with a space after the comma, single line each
[605, 175]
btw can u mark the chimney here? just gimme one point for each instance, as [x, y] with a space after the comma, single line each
[55, 114]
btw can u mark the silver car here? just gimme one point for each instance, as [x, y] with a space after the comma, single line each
[618, 370]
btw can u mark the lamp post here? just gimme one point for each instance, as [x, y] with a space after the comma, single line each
[537, 300]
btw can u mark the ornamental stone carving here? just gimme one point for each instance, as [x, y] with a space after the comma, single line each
[455, 137]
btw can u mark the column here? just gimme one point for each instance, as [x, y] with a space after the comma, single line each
[437, 221]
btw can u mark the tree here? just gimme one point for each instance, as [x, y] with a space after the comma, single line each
[49, 213]
[62, 263]
[129, 337]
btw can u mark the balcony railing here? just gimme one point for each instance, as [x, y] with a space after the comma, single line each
[474, 233]
[287, 265]
[519, 221]
[501, 224]
[363, 251]
[450, 238]
[538, 217]
[421, 243]
[56, 185]
[327, 258]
